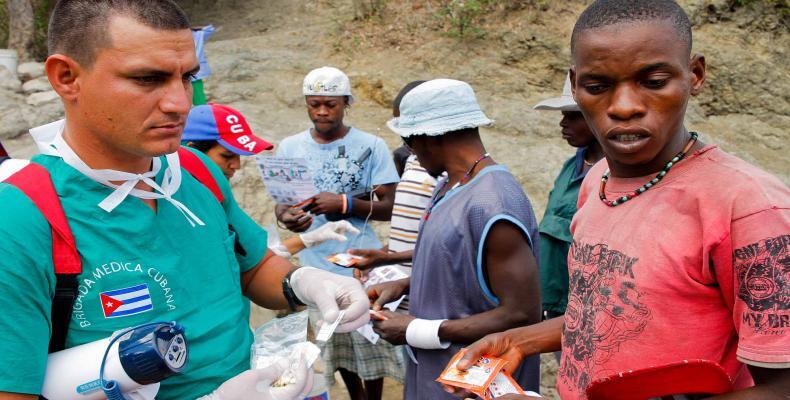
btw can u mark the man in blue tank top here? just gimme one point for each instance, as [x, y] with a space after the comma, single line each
[474, 267]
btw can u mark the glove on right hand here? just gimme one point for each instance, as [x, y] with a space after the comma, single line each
[256, 384]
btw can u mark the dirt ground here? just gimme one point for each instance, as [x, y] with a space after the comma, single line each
[263, 49]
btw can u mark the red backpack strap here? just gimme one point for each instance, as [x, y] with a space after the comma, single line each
[34, 181]
[195, 166]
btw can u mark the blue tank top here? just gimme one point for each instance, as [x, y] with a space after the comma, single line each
[447, 277]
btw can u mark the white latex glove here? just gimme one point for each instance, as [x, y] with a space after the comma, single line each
[331, 292]
[280, 250]
[329, 231]
[256, 384]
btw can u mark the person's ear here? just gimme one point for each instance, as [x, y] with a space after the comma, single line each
[63, 73]
[698, 73]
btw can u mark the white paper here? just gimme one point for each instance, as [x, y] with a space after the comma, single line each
[288, 180]
[378, 275]
[368, 333]
[327, 330]
[501, 386]
[387, 273]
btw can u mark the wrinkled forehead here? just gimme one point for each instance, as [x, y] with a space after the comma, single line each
[629, 46]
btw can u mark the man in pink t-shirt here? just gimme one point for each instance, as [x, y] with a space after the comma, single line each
[698, 271]
[680, 251]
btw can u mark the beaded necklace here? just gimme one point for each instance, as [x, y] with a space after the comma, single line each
[463, 180]
[651, 183]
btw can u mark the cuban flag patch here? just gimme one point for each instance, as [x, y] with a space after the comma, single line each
[127, 301]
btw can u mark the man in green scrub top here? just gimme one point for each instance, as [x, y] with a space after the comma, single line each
[141, 223]
[555, 232]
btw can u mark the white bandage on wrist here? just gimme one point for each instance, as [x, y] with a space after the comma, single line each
[424, 334]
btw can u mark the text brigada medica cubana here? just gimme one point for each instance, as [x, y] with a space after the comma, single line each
[148, 278]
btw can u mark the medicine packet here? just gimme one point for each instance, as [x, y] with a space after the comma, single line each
[344, 259]
[477, 378]
[283, 338]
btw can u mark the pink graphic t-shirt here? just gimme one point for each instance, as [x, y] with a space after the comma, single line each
[697, 267]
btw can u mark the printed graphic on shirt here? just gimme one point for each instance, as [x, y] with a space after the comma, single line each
[149, 285]
[605, 309]
[340, 174]
[763, 271]
[127, 301]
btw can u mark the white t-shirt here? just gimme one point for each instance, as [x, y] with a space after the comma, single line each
[10, 166]
[412, 197]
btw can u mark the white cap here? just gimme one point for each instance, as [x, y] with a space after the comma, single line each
[327, 81]
[562, 103]
[437, 107]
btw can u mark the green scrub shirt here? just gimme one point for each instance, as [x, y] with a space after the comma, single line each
[555, 234]
[176, 272]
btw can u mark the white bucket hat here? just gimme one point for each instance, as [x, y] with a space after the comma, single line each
[327, 81]
[437, 107]
[562, 103]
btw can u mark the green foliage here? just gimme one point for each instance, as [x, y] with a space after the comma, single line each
[462, 17]
[41, 12]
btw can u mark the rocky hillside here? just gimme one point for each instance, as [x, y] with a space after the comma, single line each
[514, 54]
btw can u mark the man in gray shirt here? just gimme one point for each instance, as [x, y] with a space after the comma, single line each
[474, 268]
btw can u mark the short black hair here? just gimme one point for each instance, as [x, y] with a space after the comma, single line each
[202, 146]
[603, 13]
[406, 89]
[79, 28]
[399, 156]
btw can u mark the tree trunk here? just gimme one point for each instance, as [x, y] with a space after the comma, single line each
[21, 28]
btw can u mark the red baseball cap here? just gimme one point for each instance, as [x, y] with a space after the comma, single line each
[225, 125]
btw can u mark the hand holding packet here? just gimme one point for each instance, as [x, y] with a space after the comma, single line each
[344, 259]
[283, 339]
[475, 379]
[486, 378]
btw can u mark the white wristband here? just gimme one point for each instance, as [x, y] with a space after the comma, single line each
[424, 334]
